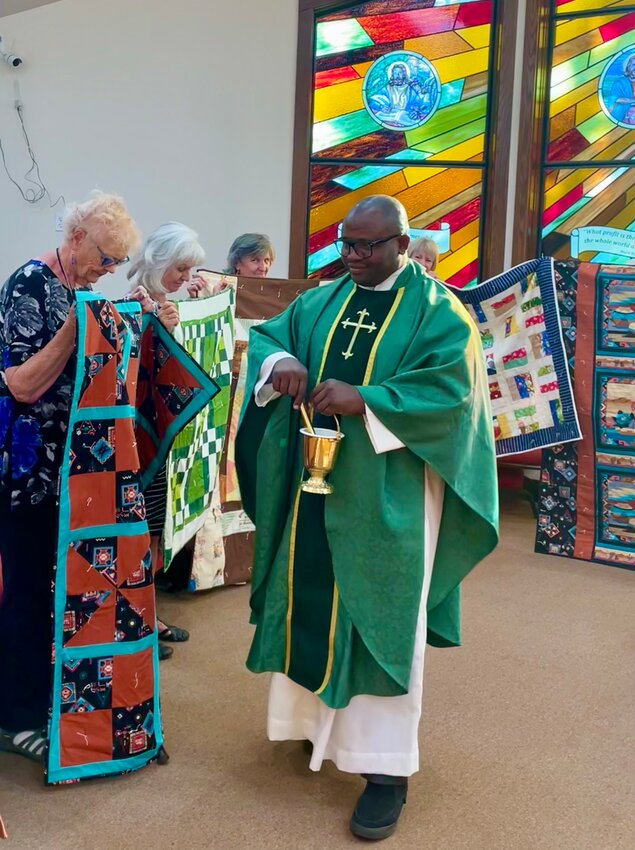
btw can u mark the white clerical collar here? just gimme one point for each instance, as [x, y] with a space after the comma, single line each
[386, 284]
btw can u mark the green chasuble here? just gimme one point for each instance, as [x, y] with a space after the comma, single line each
[337, 580]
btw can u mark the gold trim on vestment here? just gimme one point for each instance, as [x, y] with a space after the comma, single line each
[329, 338]
[380, 336]
[367, 376]
[296, 507]
[294, 522]
[329, 663]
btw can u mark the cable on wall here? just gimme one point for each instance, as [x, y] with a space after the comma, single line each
[37, 190]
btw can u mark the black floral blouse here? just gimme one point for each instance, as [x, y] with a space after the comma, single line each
[34, 305]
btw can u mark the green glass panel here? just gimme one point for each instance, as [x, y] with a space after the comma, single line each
[608, 50]
[335, 131]
[448, 119]
[365, 175]
[568, 69]
[595, 127]
[409, 153]
[451, 93]
[575, 82]
[322, 258]
[454, 137]
[339, 36]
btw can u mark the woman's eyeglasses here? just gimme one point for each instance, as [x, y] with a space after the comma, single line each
[107, 261]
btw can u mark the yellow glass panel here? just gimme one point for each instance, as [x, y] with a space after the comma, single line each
[566, 185]
[436, 46]
[418, 175]
[477, 36]
[561, 123]
[587, 108]
[464, 235]
[599, 176]
[340, 99]
[627, 216]
[450, 69]
[464, 151]
[572, 29]
[335, 210]
[458, 260]
[431, 193]
[445, 207]
[589, 5]
[613, 145]
[576, 46]
[362, 68]
[573, 97]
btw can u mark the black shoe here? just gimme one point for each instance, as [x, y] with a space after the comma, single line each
[165, 652]
[378, 809]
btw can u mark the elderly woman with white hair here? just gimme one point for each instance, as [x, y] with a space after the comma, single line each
[163, 266]
[38, 345]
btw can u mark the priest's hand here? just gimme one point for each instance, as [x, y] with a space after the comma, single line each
[337, 398]
[289, 377]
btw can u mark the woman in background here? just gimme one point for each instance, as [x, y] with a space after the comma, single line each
[250, 255]
[162, 267]
[425, 252]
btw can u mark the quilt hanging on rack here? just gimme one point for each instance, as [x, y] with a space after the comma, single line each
[135, 388]
[587, 489]
[224, 546]
[530, 389]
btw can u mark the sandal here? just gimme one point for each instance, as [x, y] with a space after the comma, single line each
[33, 746]
[173, 634]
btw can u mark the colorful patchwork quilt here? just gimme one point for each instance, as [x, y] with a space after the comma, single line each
[587, 490]
[530, 389]
[135, 389]
[223, 548]
[206, 332]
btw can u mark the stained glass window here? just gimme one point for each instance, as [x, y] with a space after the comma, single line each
[589, 179]
[401, 93]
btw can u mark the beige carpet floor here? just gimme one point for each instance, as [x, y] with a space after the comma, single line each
[528, 733]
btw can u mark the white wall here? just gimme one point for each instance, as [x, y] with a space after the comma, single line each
[185, 107]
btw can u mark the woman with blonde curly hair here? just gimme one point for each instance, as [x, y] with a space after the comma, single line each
[38, 346]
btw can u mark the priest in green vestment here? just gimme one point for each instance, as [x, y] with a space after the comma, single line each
[348, 587]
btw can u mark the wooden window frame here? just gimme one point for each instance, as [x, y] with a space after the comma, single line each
[492, 246]
[534, 107]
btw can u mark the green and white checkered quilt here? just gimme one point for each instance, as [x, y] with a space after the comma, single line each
[206, 332]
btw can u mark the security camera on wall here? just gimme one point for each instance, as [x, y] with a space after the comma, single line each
[10, 59]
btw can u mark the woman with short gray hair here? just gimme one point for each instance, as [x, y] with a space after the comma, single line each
[250, 255]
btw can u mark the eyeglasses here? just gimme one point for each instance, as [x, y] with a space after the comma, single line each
[362, 248]
[107, 261]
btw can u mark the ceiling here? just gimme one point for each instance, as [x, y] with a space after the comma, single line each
[10, 7]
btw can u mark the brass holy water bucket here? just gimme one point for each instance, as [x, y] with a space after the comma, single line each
[320, 449]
